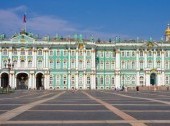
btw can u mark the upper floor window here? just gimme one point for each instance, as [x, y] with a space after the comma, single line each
[40, 52]
[65, 52]
[14, 52]
[128, 53]
[51, 64]
[149, 53]
[133, 53]
[58, 52]
[158, 53]
[30, 63]
[141, 53]
[123, 54]
[73, 53]
[22, 63]
[51, 52]
[30, 52]
[107, 54]
[58, 63]
[22, 52]
[4, 52]
[15, 63]
[88, 53]
[39, 64]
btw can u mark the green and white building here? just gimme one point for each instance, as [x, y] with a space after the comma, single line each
[27, 62]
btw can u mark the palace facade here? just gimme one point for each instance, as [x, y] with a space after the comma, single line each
[27, 62]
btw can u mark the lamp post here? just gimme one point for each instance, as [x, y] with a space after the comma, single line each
[9, 66]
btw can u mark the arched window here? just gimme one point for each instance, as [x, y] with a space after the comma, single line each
[107, 65]
[88, 80]
[72, 63]
[133, 65]
[107, 79]
[30, 63]
[72, 80]
[4, 63]
[64, 80]
[101, 80]
[80, 64]
[58, 80]
[15, 63]
[158, 64]
[51, 64]
[65, 64]
[39, 64]
[51, 80]
[113, 81]
[22, 63]
[141, 80]
[58, 64]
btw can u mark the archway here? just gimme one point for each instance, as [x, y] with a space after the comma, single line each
[39, 81]
[22, 81]
[153, 79]
[4, 80]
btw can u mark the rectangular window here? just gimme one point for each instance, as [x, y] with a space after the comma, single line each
[29, 52]
[51, 52]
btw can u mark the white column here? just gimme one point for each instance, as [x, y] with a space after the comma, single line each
[117, 72]
[137, 60]
[154, 58]
[10, 53]
[163, 60]
[44, 58]
[84, 81]
[76, 81]
[77, 62]
[147, 79]
[0, 81]
[69, 81]
[93, 83]
[0, 57]
[163, 78]
[84, 59]
[137, 79]
[145, 59]
[118, 59]
[117, 78]
[69, 58]
[35, 58]
[34, 81]
[15, 81]
[93, 59]
[29, 81]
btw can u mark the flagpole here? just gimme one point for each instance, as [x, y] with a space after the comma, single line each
[24, 21]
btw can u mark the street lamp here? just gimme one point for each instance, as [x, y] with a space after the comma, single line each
[9, 66]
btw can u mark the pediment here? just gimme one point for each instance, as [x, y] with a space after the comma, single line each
[22, 38]
[150, 45]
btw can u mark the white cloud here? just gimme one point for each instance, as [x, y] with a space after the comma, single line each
[11, 21]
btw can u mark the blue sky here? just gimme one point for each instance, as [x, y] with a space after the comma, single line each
[128, 19]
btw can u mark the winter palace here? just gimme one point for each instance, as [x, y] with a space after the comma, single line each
[30, 62]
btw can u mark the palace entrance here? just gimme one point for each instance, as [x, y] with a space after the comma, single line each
[4, 80]
[153, 79]
[40, 81]
[22, 81]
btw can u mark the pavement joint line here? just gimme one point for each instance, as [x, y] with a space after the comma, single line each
[19, 96]
[166, 111]
[136, 122]
[14, 112]
[115, 110]
[69, 110]
[149, 99]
